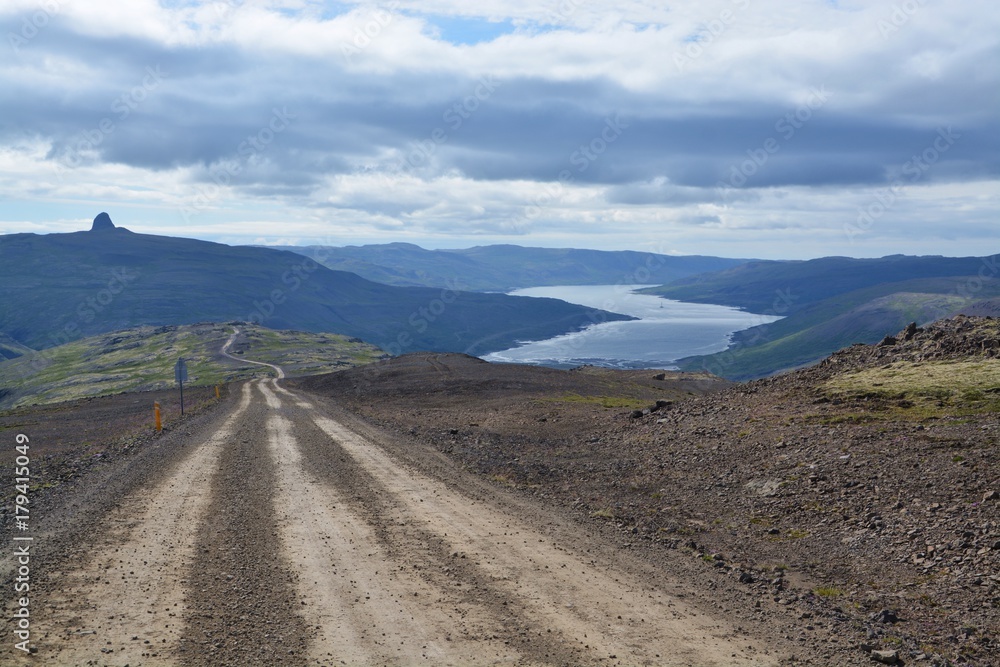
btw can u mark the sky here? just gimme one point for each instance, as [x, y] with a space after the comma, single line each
[739, 128]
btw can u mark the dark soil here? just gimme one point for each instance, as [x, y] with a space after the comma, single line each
[67, 439]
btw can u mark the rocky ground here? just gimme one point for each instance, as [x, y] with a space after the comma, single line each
[278, 529]
[70, 438]
[857, 502]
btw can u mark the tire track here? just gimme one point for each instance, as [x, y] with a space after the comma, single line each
[478, 610]
[368, 606]
[604, 616]
[126, 602]
[242, 606]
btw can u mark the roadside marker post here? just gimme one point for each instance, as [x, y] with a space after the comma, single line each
[181, 374]
[217, 391]
[156, 413]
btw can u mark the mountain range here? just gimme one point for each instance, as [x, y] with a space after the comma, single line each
[62, 287]
[500, 268]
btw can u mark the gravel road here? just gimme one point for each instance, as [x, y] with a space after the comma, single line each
[282, 530]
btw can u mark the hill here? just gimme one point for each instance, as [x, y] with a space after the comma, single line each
[61, 287]
[499, 268]
[830, 303]
[142, 359]
[755, 285]
[11, 349]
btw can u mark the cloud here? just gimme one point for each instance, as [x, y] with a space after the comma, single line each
[440, 120]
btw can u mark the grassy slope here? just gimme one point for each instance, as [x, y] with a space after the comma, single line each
[143, 358]
[506, 267]
[61, 287]
[808, 335]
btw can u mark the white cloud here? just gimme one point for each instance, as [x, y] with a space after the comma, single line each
[701, 87]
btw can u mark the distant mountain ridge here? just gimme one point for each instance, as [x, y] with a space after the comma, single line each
[752, 285]
[62, 287]
[498, 268]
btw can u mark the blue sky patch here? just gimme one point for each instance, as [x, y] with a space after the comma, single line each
[460, 30]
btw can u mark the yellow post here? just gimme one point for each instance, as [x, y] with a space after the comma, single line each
[217, 391]
[156, 411]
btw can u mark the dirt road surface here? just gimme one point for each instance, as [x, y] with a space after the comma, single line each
[280, 530]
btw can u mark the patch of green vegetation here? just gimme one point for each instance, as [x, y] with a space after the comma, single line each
[143, 358]
[929, 378]
[603, 514]
[42, 486]
[828, 592]
[847, 418]
[611, 402]
[795, 534]
[502, 479]
[923, 390]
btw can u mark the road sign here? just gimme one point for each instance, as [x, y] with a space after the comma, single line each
[181, 371]
[181, 374]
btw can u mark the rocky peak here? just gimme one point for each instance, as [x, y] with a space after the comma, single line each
[102, 223]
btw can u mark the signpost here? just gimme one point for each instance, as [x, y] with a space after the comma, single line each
[181, 374]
